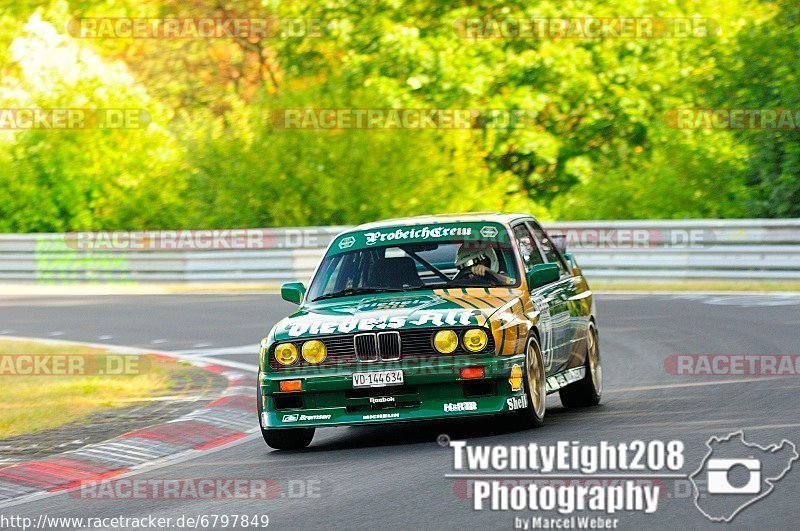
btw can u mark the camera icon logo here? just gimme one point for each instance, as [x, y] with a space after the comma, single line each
[719, 481]
[736, 473]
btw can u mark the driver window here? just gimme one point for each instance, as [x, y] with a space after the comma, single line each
[527, 247]
[549, 250]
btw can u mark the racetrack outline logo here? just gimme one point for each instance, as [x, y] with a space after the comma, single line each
[719, 493]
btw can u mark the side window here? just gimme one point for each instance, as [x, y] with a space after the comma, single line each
[550, 252]
[527, 246]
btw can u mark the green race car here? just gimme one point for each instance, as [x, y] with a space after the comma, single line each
[428, 318]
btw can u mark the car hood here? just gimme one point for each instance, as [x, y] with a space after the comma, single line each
[393, 311]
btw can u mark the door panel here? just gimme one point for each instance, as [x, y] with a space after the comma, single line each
[550, 301]
[555, 298]
[579, 303]
[568, 326]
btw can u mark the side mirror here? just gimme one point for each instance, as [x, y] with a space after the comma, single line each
[559, 241]
[293, 292]
[542, 274]
[576, 270]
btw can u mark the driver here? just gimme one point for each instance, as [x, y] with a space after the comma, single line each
[474, 260]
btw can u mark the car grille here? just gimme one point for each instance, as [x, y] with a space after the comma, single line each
[373, 346]
[366, 347]
[380, 346]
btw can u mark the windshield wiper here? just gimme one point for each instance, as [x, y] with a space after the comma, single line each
[440, 285]
[466, 283]
[356, 291]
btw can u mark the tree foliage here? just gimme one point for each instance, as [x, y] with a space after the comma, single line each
[595, 144]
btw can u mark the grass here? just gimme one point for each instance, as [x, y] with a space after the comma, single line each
[695, 285]
[222, 287]
[31, 403]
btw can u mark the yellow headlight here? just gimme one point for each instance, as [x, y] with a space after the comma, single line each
[286, 354]
[445, 341]
[314, 351]
[475, 340]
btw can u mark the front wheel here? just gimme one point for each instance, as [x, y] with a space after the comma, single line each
[535, 385]
[587, 391]
[288, 438]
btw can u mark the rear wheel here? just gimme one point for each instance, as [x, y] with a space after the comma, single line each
[283, 438]
[535, 384]
[588, 390]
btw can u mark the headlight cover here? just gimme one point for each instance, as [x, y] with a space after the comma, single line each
[445, 341]
[314, 351]
[475, 340]
[286, 354]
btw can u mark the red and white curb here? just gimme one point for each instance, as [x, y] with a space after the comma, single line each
[226, 421]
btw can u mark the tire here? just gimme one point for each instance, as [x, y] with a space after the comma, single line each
[535, 384]
[587, 391]
[288, 438]
[283, 438]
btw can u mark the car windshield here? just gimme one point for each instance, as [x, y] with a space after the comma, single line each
[415, 266]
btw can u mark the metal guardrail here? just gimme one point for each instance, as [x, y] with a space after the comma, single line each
[609, 250]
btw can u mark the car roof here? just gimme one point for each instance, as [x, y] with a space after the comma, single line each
[443, 218]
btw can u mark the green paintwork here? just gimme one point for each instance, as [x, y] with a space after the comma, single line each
[489, 231]
[542, 274]
[293, 292]
[378, 312]
[441, 381]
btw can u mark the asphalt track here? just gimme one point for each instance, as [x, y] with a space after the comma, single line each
[393, 477]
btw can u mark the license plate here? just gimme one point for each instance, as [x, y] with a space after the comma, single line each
[377, 378]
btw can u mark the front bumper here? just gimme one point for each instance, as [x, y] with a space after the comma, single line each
[432, 389]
